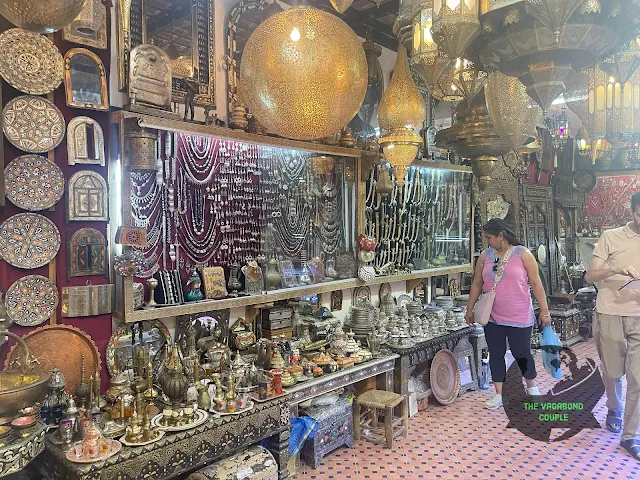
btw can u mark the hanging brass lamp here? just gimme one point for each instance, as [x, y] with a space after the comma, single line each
[473, 136]
[427, 60]
[624, 63]
[455, 25]
[401, 111]
[303, 74]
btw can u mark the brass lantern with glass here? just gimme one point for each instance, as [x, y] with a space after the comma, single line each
[455, 25]
[427, 60]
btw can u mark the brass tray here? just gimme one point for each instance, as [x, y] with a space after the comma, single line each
[60, 346]
[445, 377]
[33, 183]
[29, 240]
[31, 300]
[33, 124]
[30, 62]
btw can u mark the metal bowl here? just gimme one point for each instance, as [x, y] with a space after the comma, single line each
[18, 390]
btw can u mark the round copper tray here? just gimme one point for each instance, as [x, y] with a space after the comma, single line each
[445, 377]
[60, 346]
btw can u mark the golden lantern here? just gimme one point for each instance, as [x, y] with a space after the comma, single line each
[553, 14]
[510, 109]
[41, 16]
[468, 78]
[609, 109]
[90, 18]
[583, 143]
[322, 164]
[455, 25]
[474, 136]
[341, 6]
[401, 110]
[427, 60]
[303, 74]
[624, 63]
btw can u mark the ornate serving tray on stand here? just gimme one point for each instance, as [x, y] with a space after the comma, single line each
[199, 417]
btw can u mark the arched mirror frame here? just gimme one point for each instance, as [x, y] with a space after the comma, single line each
[68, 83]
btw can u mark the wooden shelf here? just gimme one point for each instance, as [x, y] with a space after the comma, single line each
[440, 166]
[178, 125]
[283, 294]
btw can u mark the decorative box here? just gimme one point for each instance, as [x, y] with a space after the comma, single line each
[567, 324]
[286, 333]
[335, 429]
[277, 318]
[255, 463]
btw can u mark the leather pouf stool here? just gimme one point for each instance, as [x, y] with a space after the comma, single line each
[367, 409]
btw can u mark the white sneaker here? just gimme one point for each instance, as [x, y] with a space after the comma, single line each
[534, 392]
[494, 402]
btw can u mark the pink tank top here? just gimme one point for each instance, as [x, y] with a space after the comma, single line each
[512, 306]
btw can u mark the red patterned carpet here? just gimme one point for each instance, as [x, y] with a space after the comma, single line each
[466, 441]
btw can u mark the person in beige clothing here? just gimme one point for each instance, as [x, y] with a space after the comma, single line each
[616, 325]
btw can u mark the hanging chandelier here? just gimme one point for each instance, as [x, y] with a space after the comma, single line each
[606, 107]
[542, 41]
[401, 111]
[455, 25]
[427, 60]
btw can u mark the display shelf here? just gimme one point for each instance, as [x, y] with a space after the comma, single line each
[177, 125]
[440, 166]
[276, 295]
[614, 173]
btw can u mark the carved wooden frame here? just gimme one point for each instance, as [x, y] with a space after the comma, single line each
[73, 268]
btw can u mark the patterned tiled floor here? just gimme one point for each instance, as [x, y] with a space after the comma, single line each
[466, 441]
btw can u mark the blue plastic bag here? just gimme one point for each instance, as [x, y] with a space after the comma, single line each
[550, 346]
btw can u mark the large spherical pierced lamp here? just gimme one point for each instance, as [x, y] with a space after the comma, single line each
[303, 74]
[40, 16]
[401, 110]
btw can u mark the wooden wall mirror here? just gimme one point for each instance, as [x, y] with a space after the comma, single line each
[243, 19]
[85, 80]
[184, 29]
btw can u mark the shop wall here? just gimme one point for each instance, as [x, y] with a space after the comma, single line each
[608, 205]
[99, 327]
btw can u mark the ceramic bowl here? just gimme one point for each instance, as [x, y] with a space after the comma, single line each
[23, 422]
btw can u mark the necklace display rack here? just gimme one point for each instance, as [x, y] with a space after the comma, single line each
[216, 202]
[422, 224]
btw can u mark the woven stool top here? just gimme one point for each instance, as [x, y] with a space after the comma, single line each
[379, 399]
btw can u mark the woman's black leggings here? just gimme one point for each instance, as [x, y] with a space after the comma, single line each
[520, 345]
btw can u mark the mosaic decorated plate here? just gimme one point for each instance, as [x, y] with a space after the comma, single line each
[31, 300]
[30, 62]
[445, 377]
[33, 183]
[29, 240]
[33, 124]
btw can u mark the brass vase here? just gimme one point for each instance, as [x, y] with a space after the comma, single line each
[175, 382]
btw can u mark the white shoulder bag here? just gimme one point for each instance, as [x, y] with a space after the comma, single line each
[484, 305]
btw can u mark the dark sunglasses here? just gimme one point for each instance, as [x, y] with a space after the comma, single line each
[495, 264]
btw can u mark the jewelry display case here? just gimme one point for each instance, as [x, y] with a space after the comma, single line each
[279, 216]
[423, 224]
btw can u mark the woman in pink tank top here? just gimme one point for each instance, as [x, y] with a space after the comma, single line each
[512, 314]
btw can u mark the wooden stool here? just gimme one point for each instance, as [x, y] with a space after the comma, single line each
[367, 407]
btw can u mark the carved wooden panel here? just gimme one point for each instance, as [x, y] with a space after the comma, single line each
[503, 184]
[538, 228]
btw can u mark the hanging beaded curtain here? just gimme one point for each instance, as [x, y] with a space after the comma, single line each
[222, 202]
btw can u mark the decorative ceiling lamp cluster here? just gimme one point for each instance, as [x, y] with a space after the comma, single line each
[606, 97]
[539, 42]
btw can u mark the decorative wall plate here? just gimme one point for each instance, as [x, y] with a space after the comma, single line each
[85, 142]
[33, 124]
[29, 240]
[30, 62]
[87, 198]
[498, 207]
[31, 300]
[61, 346]
[584, 181]
[33, 183]
[445, 377]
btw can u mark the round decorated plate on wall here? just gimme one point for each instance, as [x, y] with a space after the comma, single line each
[584, 181]
[33, 183]
[33, 124]
[29, 240]
[31, 300]
[30, 62]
